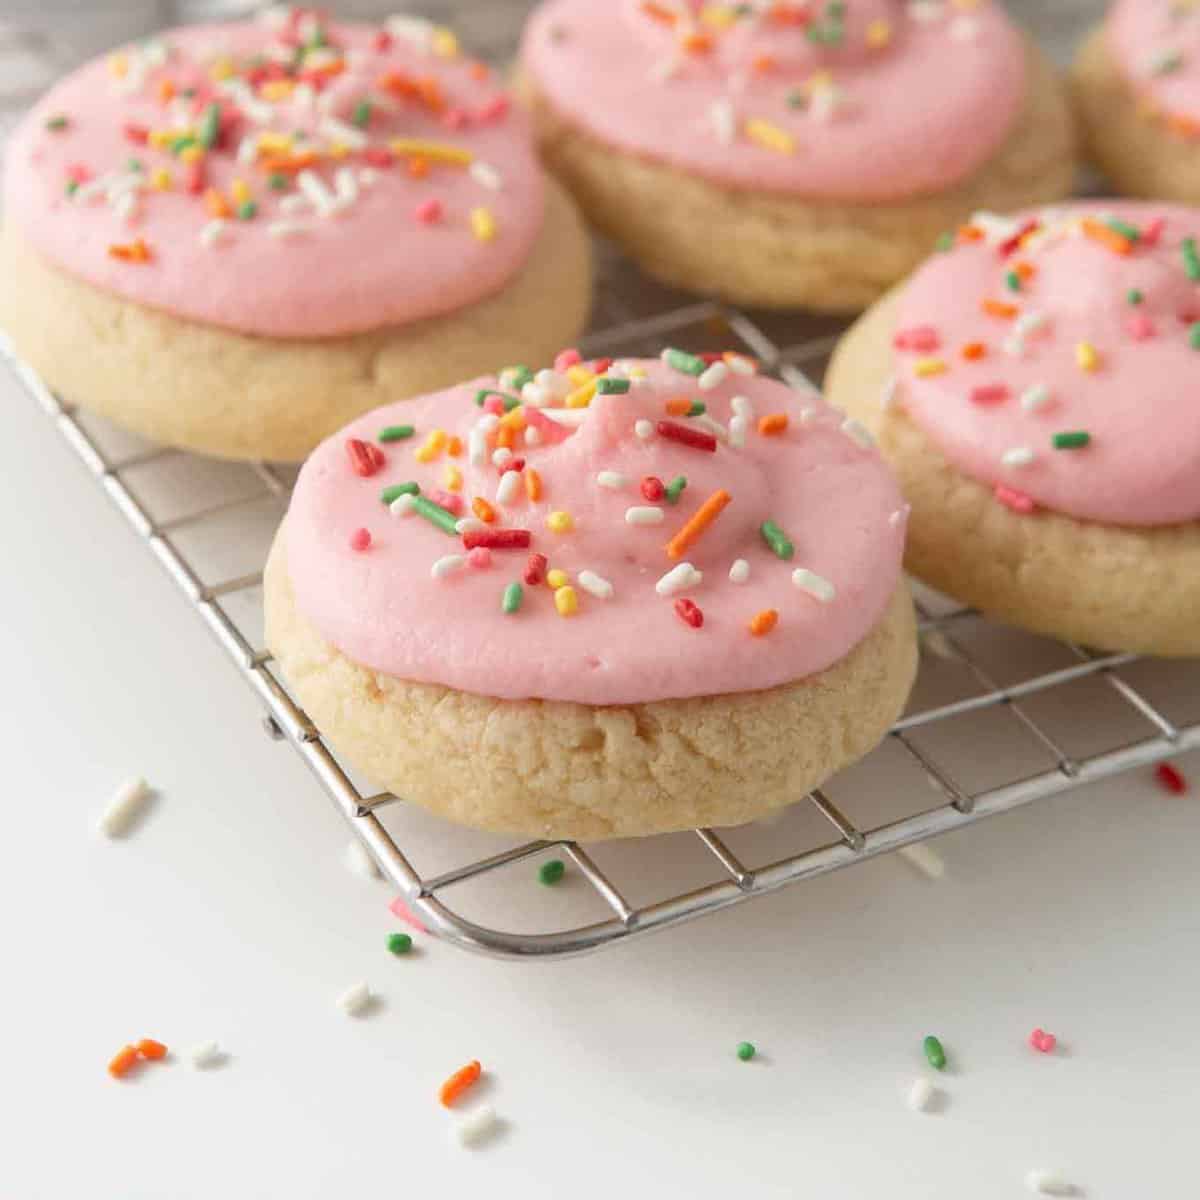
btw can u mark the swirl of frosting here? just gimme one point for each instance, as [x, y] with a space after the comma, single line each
[703, 530]
[1049, 355]
[1156, 44]
[836, 99]
[289, 178]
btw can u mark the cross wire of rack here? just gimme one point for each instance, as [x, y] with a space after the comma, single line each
[429, 897]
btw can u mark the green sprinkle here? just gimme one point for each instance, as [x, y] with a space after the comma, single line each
[135, 165]
[794, 98]
[435, 514]
[189, 93]
[1134, 296]
[1073, 440]
[746, 1051]
[72, 186]
[780, 543]
[935, 1054]
[510, 402]
[399, 943]
[1166, 62]
[611, 387]
[396, 433]
[518, 377]
[511, 601]
[1012, 281]
[278, 182]
[680, 360]
[945, 243]
[1131, 232]
[698, 409]
[1194, 336]
[674, 489]
[210, 125]
[180, 144]
[362, 114]
[1191, 260]
[551, 872]
[390, 495]
[247, 210]
[57, 124]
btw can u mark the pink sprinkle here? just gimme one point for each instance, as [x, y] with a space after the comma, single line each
[79, 173]
[995, 393]
[399, 909]
[567, 359]
[494, 109]
[450, 501]
[922, 338]
[1140, 327]
[493, 404]
[456, 118]
[481, 556]
[1017, 501]
[1154, 231]
[378, 156]
[1042, 1041]
[429, 212]
[360, 540]
[383, 41]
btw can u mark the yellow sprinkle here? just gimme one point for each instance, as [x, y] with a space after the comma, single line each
[452, 478]
[442, 152]
[160, 179]
[718, 16]
[444, 43]
[557, 579]
[433, 445]
[514, 419]
[240, 190]
[637, 373]
[925, 367]
[274, 143]
[581, 397]
[159, 138]
[338, 150]
[191, 154]
[483, 224]
[770, 136]
[579, 375]
[819, 81]
[879, 35]
[1087, 356]
[566, 601]
[118, 66]
[275, 90]
[223, 69]
[560, 522]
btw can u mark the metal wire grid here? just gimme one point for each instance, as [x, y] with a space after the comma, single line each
[732, 879]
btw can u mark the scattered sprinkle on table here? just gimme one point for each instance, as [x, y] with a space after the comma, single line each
[203, 1055]
[459, 1083]
[935, 1053]
[551, 872]
[1171, 778]
[921, 1094]
[1045, 1182]
[925, 859]
[355, 1000]
[1043, 1042]
[746, 1051]
[399, 943]
[124, 808]
[476, 1126]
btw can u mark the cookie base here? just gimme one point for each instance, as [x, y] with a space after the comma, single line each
[231, 395]
[1133, 147]
[770, 251]
[548, 769]
[1111, 587]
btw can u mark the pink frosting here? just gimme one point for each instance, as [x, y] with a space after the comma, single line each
[383, 607]
[867, 122]
[1138, 312]
[374, 262]
[1156, 43]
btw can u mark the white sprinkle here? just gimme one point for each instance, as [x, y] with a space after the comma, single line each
[742, 407]
[355, 1001]
[737, 431]
[347, 186]
[477, 447]
[287, 229]
[124, 807]
[964, 28]
[486, 175]
[644, 429]
[677, 579]
[712, 377]
[815, 585]
[808, 414]
[213, 233]
[509, 487]
[294, 203]
[535, 395]
[664, 69]
[488, 422]
[501, 455]
[359, 861]
[402, 506]
[247, 150]
[856, 431]
[305, 99]
[448, 565]
[595, 585]
[899, 517]
[887, 401]
[739, 364]
[714, 427]
[996, 229]
[469, 525]
[1014, 346]
[740, 571]
[313, 186]
[476, 1126]
[613, 480]
[275, 16]
[724, 120]
[920, 1095]
[571, 417]
[202, 1055]
[554, 383]
[924, 12]
[1018, 456]
[368, 177]
[126, 206]
[1029, 322]
[533, 435]
[1035, 397]
[339, 131]
[824, 103]
[1048, 1183]
[416, 30]
[644, 515]
[925, 859]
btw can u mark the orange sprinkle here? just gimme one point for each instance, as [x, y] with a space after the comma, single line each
[149, 1048]
[973, 351]
[483, 510]
[136, 251]
[970, 233]
[1099, 232]
[1025, 270]
[216, 204]
[658, 13]
[533, 484]
[701, 519]
[772, 424]
[762, 623]
[287, 164]
[418, 167]
[506, 436]
[454, 445]
[122, 1061]
[430, 92]
[459, 1082]
[764, 64]
[515, 418]
[678, 406]
[696, 43]
[478, 71]
[166, 91]
[1000, 308]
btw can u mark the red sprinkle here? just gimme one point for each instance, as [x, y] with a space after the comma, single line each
[696, 438]
[1017, 501]
[195, 180]
[653, 488]
[360, 540]
[1014, 243]
[494, 109]
[513, 464]
[456, 118]
[600, 365]
[1140, 327]
[378, 156]
[383, 41]
[1171, 778]
[689, 614]
[1154, 231]
[502, 539]
[138, 134]
[535, 569]
[1042, 1041]
[365, 459]
[429, 212]
[994, 393]
[922, 338]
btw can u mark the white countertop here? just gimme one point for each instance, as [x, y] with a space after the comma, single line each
[228, 914]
